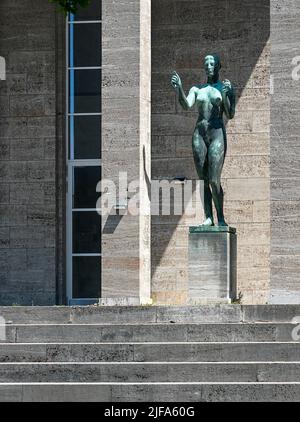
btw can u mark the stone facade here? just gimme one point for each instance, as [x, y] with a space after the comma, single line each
[285, 153]
[27, 153]
[183, 32]
[32, 145]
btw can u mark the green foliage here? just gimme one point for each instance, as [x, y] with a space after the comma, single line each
[70, 6]
[239, 299]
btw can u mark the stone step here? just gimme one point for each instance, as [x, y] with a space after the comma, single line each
[148, 314]
[115, 354]
[150, 372]
[70, 333]
[168, 392]
[188, 352]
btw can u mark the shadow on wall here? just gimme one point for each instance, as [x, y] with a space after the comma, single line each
[183, 32]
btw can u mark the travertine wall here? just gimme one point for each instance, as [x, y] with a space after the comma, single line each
[32, 155]
[27, 153]
[182, 33]
[126, 146]
[285, 152]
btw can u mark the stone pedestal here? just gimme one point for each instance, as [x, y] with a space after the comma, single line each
[212, 265]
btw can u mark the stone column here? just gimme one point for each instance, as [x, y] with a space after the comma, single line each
[126, 148]
[285, 153]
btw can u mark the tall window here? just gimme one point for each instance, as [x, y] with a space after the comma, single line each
[84, 154]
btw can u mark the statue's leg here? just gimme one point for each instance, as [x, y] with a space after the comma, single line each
[201, 163]
[216, 155]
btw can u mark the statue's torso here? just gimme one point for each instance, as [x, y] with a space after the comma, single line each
[208, 95]
[209, 103]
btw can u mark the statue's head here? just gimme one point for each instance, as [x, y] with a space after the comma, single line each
[212, 65]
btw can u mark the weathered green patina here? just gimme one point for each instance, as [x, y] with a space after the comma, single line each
[213, 100]
[212, 229]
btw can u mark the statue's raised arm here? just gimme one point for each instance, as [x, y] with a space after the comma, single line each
[213, 100]
[228, 96]
[185, 102]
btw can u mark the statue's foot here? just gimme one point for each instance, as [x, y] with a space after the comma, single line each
[222, 223]
[208, 222]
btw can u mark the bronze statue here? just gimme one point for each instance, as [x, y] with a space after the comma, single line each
[212, 99]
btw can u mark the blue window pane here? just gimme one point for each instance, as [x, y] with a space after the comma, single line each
[87, 45]
[85, 91]
[85, 137]
[86, 277]
[85, 183]
[91, 12]
[86, 232]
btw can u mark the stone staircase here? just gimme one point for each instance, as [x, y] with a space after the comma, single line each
[123, 354]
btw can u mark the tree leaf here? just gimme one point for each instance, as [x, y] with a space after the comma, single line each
[70, 6]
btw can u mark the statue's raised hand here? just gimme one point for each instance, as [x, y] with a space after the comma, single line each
[176, 81]
[227, 87]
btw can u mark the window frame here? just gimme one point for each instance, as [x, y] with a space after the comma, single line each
[71, 163]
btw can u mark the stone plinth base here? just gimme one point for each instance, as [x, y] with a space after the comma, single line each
[212, 265]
